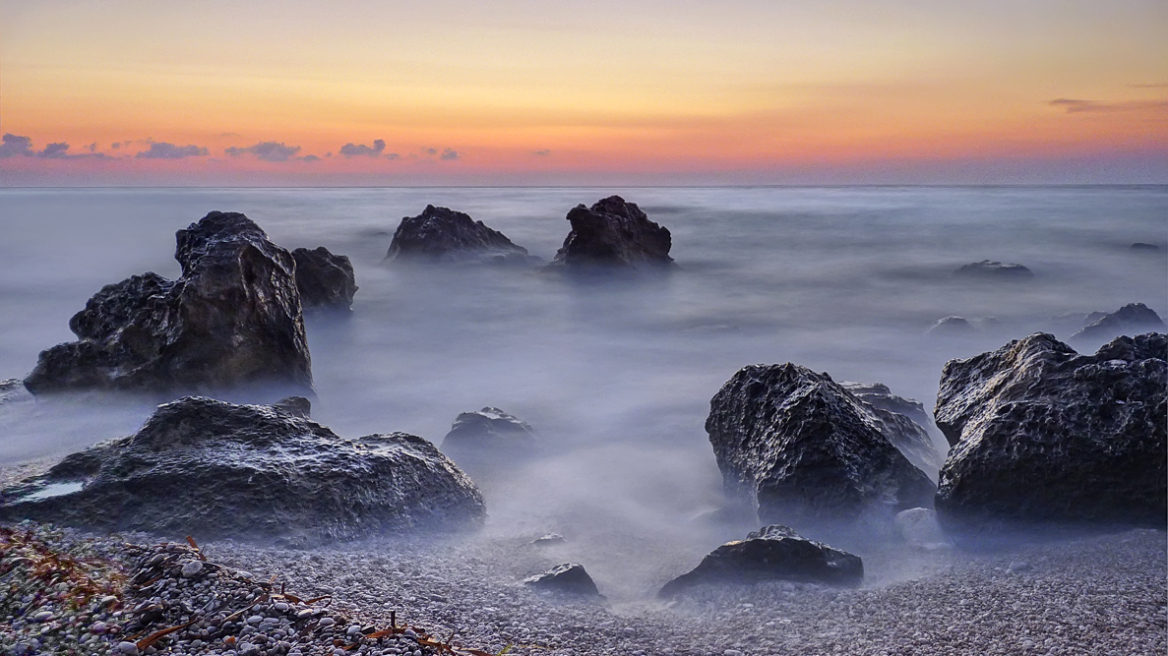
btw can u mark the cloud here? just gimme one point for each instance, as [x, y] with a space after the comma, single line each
[310, 158]
[1075, 106]
[13, 145]
[92, 147]
[542, 153]
[229, 134]
[392, 156]
[56, 150]
[164, 150]
[430, 151]
[449, 155]
[361, 150]
[1161, 85]
[269, 151]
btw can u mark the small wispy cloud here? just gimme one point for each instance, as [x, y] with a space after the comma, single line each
[57, 150]
[14, 145]
[310, 158]
[542, 153]
[430, 151]
[164, 150]
[361, 150]
[392, 156]
[1160, 85]
[1075, 105]
[269, 151]
[448, 155]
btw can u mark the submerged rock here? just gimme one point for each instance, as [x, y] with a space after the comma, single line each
[613, 233]
[489, 430]
[771, 553]
[1131, 319]
[216, 470]
[803, 448]
[233, 318]
[569, 577]
[989, 269]
[440, 234]
[325, 280]
[952, 327]
[1044, 434]
[1142, 246]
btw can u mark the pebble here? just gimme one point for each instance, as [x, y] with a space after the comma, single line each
[128, 648]
[191, 568]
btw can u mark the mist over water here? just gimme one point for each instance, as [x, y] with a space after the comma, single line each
[615, 376]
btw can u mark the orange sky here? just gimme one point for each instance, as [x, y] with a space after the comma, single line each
[526, 92]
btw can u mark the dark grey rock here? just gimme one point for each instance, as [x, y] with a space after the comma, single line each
[569, 577]
[489, 430]
[216, 470]
[233, 318]
[1141, 246]
[1131, 319]
[804, 449]
[771, 553]
[440, 234]
[912, 438]
[13, 391]
[1044, 434]
[325, 281]
[613, 233]
[991, 270]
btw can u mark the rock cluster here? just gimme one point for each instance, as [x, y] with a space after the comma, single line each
[325, 281]
[613, 233]
[440, 234]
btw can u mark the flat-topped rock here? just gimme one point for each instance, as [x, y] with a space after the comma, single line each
[993, 270]
[489, 430]
[325, 280]
[613, 233]
[440, 234]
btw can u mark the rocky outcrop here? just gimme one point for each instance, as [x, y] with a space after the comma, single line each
[804, 449]
[489, 430]
[613, 233]
[1044, 434]
[440, 234]
[991, 270]
[325, 281]
[264, 473]
[569, 578]
[772, 553]
[912, 438]
[232, 318]
[1131, 319]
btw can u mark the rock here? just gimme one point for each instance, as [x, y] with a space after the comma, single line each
[613, 233]
[549, 540]
[952, 327]
[803, 448]
[912, 439]
[13, 391]
[569, 577]
[1141, 246]
[297, 406]
[991, 270]
[325, 281]
[1044, 434]
[214, 469]
[1131, 319]
[919, 528]
[440, 234]
[232, 318]
[772, 553]
[191, 568]
[489, 430]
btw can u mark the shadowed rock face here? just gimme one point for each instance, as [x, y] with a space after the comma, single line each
[325, 281]
[264, 473]
[613, 233]
[991, 270]
[569, 577]
[807, 450]
[774, 552]
[440, 234]
[912, 439]
[1129, 319]
[487, 430]
[234, 317]
[1043, 434]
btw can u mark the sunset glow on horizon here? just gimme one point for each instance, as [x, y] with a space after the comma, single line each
[523, 92]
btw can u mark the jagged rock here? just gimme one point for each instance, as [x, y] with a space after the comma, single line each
[217, 470]
[613, 233]
[803, 448]
[952, 327]
[440, 234]
[1043, 434]
[1133, 318]
[233, 318]
[773, 552]
[325, 280]
[912, 439]
[919, 528]
[1141, 246]
[990, 269]
[489, 430]
[569, 577]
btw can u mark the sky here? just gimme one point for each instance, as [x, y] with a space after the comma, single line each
[531, 92]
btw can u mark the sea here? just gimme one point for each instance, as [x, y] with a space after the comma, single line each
[615, 375]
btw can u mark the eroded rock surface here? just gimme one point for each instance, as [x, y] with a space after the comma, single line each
[613, 233]
[1044, 434]
[440, 234]
[325, 281]
[773, 552]
[264, 473]
[804, 449]
[232, 318]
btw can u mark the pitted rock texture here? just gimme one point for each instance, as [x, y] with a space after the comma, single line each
[262, 473]
[1044, 434]
[489, 429]
[773, 552]
[325, 281]
[233, 318]
[805, 449]
[440, 234]
[1133, 318]
[613, 233]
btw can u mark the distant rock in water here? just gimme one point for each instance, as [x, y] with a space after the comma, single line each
[952, 327]
[806, 450]
[569, 578]
[233, 318]
[772, 553]
[912, 439]
[1043, 434]
[1141, 246]
[261, 473]
[489, 430]
[440, 234]
[325, 281]
[613, 233]
[1131, 319]
[991, 270]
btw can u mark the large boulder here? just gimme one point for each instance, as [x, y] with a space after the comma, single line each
[772, 553]
[325, 281]
[264, 473]
[613, 233]
[440, 234]
[489, 430]
[1131, 319]
[1041, 433]
[805, 449]
[232, 318]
